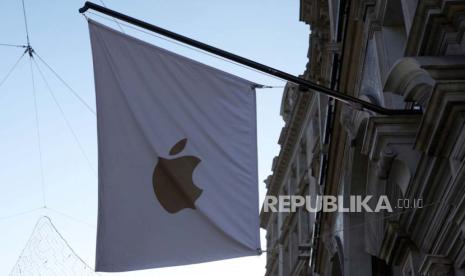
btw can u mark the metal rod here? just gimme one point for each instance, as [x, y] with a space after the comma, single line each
[305, 85]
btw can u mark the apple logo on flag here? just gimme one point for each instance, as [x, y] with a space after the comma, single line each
[172, 180]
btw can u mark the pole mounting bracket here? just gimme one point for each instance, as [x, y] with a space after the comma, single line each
[308, 86]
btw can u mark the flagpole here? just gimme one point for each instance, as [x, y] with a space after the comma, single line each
[304, 85]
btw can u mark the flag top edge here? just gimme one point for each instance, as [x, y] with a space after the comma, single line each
[171, 53]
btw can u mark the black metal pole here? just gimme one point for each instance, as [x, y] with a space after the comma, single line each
[304, 84]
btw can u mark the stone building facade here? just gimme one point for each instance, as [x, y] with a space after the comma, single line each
[400, 54]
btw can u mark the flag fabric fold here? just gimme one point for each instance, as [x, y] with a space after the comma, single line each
[177, 147]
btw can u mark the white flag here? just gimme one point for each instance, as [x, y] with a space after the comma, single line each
[177, 158]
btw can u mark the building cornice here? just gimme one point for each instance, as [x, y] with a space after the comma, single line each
[289, 145]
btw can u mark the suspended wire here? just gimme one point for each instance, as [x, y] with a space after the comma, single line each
[25, 23]
[33, 260]
[28, 242]
[20, 213]
[192, 48]
[63, 115]
[39, 141]
[71, 218]
[114, 20]
[12, 69]
[12, 45]
[66, 84]
[70, 248]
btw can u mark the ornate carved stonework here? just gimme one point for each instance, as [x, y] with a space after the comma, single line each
[444, 118]
[436, 266]
[437, 29]
[385, 162]
[400, 54]
[389, 131]
[395, 244]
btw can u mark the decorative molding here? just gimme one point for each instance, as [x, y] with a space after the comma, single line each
[413, 78]
[333, 47]
[383, 131]
[385, 162]
[437, 28]
[354, 120]
[395, 245]
[434, 265]
[443, 120]
[330, 245]
[347, 121]
[290, 139]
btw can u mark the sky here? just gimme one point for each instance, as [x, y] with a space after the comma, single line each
[267, 31]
